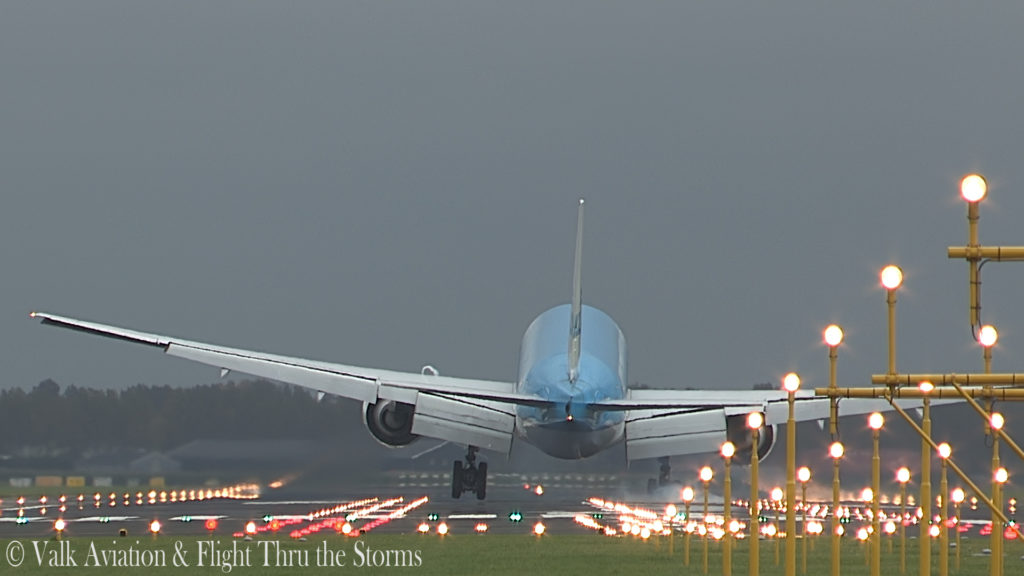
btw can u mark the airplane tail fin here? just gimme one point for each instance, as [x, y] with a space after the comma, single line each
[577, 301]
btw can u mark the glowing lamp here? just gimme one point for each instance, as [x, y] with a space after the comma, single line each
[890, 527]
[538, 528]
[867, 495]
[250, 528]
[833, 335]
[777, 494]
[791, 382]
[997, 421]
[442, 529]
[926, 387]
[59, 525]
[892, 277]
[988, 336]
[945, 450]
[706, 474]
[973, 187]
[958, 495]
[903, 475]
[876, 420]
[210, 524]
[728, 449]
[1002, 475]
[687, 494]
[755, 420]
[934, 531]
[154, 527]
[803, 474]
[670, 510]
[836, 450]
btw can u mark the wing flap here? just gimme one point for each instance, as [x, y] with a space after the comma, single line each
[675, 434]
[463, 423]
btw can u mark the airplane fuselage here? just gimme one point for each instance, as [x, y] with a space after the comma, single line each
[568, 429]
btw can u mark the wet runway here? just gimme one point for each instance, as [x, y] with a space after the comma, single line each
[391, 509]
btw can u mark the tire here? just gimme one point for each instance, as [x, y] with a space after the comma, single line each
[481, 481]
[457, 479]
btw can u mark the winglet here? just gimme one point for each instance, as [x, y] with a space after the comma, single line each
[577, 301]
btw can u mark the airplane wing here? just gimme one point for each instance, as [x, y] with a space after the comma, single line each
[459, 410]
[679, 422]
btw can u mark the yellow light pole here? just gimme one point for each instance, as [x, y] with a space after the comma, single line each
[997, 554]
[875, 421]
[944, 451]
[670, 515]
[836, 452]
[727, 451]
[777, 496]
[973, 189]
[791, 383]
[892, 278]
[867, 496]
[926, 479]
[833, 338]
[754, 421]
[903, 476]
[687, 500]
[706, 474]
[958, 499]
[804, 476]
[996, 421]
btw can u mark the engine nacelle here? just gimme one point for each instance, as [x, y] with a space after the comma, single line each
[390, 422]
[737, 432]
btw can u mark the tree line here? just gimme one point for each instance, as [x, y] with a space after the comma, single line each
[55, 419]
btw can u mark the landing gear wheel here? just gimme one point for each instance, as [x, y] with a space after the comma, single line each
[481, 481]
[665, 471]
[471, 477]
[457, 479]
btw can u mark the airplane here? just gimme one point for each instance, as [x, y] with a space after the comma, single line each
[570, 399]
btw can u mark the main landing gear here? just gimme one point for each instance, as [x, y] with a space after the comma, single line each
[469, 478]
[664, 475]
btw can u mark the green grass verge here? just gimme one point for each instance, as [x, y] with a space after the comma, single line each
[472, 554]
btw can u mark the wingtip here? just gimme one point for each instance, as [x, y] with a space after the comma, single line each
[581, 201]
[32, 314]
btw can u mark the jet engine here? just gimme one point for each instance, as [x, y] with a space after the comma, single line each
[739, 434]
[390, 422]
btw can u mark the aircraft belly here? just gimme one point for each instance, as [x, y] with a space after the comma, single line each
[570, 440]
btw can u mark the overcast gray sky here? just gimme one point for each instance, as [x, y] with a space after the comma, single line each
[394, 183]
